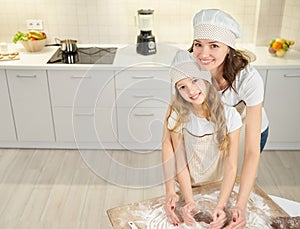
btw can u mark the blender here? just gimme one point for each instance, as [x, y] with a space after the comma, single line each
[145, 40]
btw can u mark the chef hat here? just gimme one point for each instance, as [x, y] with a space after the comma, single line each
[215, 24]
[184, 65]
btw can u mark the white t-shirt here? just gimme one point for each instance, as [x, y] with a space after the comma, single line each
[250, 88]
[201, 126]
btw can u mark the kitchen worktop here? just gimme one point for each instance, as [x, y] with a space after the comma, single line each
[126, 56]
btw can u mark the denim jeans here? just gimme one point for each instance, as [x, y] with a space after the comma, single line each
[263, 139]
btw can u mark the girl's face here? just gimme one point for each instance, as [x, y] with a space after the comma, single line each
[192, 90]
[210, 54]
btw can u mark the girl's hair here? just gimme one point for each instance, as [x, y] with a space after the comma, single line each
[214, 112]
[235, 61]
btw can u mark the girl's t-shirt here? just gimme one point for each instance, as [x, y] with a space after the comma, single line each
[201, 126]
[249, 88]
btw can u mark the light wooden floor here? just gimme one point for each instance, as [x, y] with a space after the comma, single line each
[56, 189]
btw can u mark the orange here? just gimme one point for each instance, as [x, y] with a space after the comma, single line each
[277, 45]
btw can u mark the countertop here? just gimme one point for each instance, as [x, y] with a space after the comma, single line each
[127, 57]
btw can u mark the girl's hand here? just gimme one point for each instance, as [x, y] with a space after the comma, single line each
[238, 218]
[169, 207]
[219, 218]
[186, 213]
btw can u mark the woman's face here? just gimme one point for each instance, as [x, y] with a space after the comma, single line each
[210, 54]
[192, 90]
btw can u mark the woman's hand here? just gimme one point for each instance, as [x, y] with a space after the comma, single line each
[238, 218]
[219, 218]
[186, 213]
[169, 207]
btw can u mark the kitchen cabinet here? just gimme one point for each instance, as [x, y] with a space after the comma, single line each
[7, 127]
[282, 105]
[83, 106]
[31, 105]
[142, 98]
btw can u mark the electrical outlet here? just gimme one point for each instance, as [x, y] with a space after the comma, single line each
[35, 24]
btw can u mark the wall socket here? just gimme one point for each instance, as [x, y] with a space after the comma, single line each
[35, 24]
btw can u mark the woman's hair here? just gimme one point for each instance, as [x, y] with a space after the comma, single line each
[235, 61]
[214, 112]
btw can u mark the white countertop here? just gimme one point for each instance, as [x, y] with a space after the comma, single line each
[289, 206]
[126, 56]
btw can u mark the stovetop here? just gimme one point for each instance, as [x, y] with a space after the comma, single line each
[89, 55]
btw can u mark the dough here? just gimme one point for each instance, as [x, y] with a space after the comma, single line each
[286, 223]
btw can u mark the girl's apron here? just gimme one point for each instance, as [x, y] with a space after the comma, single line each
[204, 159]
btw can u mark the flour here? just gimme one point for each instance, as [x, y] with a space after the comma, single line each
[154, 217]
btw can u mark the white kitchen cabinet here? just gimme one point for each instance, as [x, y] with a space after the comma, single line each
[142, 98]
[282, 105]
[83, 106]
[31, 105]
[7, 127]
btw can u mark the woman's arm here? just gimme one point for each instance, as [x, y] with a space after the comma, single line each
[250, 164]
[251, 153]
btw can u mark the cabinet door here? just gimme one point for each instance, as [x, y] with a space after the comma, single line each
[7, 127]
[140, 127]
[31, 105]
[85, 125]
[282, 106]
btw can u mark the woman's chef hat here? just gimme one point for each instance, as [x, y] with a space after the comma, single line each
[184, 65]
[215, 24]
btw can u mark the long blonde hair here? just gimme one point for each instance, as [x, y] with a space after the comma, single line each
[214, 112]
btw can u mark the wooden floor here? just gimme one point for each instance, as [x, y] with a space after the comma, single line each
[56, 189]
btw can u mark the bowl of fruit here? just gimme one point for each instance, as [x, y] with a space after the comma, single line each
[278, 47]
[33, 41]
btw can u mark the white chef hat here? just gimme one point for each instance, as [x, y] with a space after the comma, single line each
[184, 65]
[215, 24]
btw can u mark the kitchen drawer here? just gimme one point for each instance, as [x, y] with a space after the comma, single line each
[142, 79]
[143, 98]
[94, 88]
[139, 127]
[85, 124]
[31, 105]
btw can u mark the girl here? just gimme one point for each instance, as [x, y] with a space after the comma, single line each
[204, 137]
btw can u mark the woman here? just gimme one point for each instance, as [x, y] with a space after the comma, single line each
[205, 137]
[238, 83]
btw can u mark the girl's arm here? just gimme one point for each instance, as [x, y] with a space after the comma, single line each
[230, 169]
[169, 167]
[184, 179]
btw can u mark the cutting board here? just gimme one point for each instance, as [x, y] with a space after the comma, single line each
[137, 212]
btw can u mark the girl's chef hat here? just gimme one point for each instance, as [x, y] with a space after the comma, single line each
[184, 65]
[215, 24]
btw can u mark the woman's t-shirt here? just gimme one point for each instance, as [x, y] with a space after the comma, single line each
[249, 87]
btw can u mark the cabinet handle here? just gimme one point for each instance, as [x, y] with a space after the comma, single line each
[150, 114]
[26, 76]
[291, 75]
[142, 77]
[143, 96]
[84, 114]
[80, 77]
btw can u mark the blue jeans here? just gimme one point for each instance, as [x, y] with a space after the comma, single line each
[263, 139]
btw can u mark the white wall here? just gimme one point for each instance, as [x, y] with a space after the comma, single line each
[100, 21]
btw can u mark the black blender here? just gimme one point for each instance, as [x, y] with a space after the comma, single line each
[145, 40]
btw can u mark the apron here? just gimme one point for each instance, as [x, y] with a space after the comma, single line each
[204, 159]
